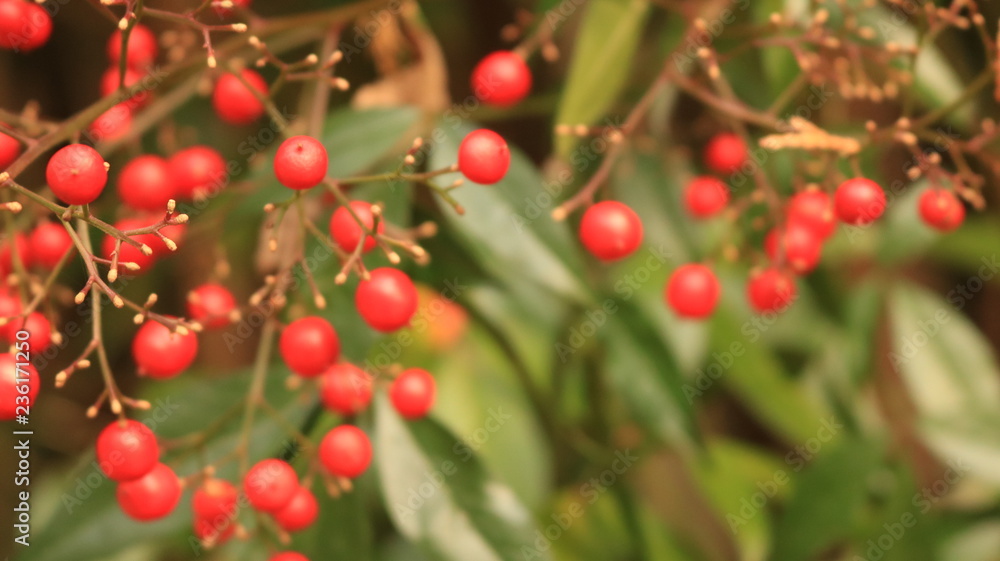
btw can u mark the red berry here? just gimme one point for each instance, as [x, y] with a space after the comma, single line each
[706, 196]
[288, 556]
[214, 531]
[859, 201]
[11, 382]
[301, 162]
[152, 496]
[127, 450]
[128, 253]
[270, 485]
[345, 451]
[300, 512]
[10, 149]
[483, 157]
[48, 243]
[198, 171]
[502, 79]
[142, 47]
[161, 354]
[346, 389]
[39, 332]
[725, 153]
[610, 230]
[235, 103]
[24, 253]
[135, 95]
[24, 26]
[309, 346]
[812, 210]
[799, 245]
[76, 174]
[941, 210]
[693, 291]
[387, 300]
[145, 183]
[211, 305]
[113, 124]
[10, 307]
[412, 393]
[771, 290]
[215, 498]
[346, 231]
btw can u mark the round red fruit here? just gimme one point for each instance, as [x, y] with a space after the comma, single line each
[300, 512]
[859, 201]
[113, 124]
[145, 183]
[152, 496]
[346, 231]
[270, 485]
[288, 556]
[48, 243]
[301, 162]
[24, 26]
[309, 346]
[198, 171]
[212, 305]
[693, 291]
[345, 451]
[76, 174]
[215, 499]
[234, 102]
[771, 290]
[502, 78]
[142, 47]
[412, 393]
[941, 210]
[10, 307]
[799, 245]
[128, 253]
[135, 96]
[10, 149]
[160, 353]
[387, 300]
[483, 157]
[228, 12]
[812, 209]
[725, 153]
[23, 246]
[127, 450]
[346, 389]
[610, 230]
[39, 332]
[706, 196]
[10, 383]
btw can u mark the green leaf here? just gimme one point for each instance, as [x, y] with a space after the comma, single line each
[441, 497]
[951, 373]
[501, 229]
[828, 500]
[735, 478]
[89, 524]
[648, 380]
[605, 47]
